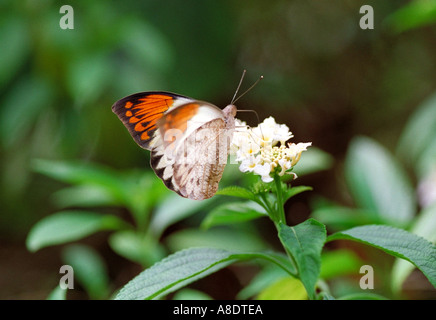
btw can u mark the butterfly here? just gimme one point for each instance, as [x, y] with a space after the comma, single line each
[189, 139]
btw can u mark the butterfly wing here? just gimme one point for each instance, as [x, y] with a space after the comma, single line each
[200, 163]
[193, 148]
[140, 113]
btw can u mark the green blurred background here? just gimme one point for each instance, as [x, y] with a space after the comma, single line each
[324, 77]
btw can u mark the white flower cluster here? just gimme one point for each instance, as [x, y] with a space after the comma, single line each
[257, 149]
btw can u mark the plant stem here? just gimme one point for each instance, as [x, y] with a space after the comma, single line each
[264, 203]
[280, 212]
[280, 204]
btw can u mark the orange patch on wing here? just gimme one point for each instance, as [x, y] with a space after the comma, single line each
[144, 114]
[134, 120]
[145, 136]
[148, 111]
[141, 112]
[141, 126]
[155, 103]
[179, 117]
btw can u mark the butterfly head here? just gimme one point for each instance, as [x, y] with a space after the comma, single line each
[230, 111]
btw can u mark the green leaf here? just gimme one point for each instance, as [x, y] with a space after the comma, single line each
[69, 226]
[139, 191]
[362, 296]
[174, 272]
[57, 294]
[83, 196]
[182, 268]
[284, 289]
[231, 238]
[233, 212]
[14, 32]
[396, 242]
[135, 34]
[325, 296]
[424, 226]
[419, 133]
[87, 76]
[415, 14]
[378, 183]
[82, 174]
[240, 192]
[269, 274]
[21, 106]
[313, 160]
[173, 209]
[339, 263]
[191, 294]
[89, 269]
[142, 192]
[305, 242]
[293, 191]
[136, 247]
[340, 218]
[425, 166]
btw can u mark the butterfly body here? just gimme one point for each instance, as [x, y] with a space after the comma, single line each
[188, 139]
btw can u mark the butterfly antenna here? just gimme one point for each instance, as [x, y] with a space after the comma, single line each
[242, 94]
[236, 99]
[239, 86]
[254, 111]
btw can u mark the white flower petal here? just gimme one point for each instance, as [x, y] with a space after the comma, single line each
[267, 179]
[256, 150]
[262, 169]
